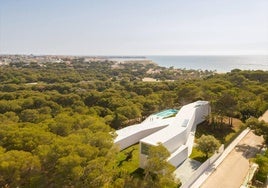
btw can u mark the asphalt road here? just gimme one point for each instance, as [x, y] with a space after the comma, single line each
[233, 170]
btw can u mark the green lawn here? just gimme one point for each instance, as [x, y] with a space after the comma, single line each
[128, 162]
[128, 159]
[198, 155]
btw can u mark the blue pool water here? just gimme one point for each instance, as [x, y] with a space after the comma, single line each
[167, 113]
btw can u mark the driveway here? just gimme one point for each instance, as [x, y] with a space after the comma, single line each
[233, 170]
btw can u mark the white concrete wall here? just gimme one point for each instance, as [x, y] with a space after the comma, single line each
[191, 123]
[201, 113]
[178, 156]
[175, 142]
[135, 138]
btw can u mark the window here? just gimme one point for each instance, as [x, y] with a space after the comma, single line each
[145, 149]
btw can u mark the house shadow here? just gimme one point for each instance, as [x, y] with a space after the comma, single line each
[194, 164]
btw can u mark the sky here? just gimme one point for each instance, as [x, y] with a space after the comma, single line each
[134, 27]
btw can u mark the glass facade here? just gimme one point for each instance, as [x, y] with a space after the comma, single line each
[145, 149]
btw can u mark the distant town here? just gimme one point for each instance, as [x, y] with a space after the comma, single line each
[7, 59]
[149, 70]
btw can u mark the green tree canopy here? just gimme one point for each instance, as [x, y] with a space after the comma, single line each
[158, 172]
[208, 144]
[19, 168]
[259, 127]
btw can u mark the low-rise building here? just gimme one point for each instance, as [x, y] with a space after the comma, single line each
[174, 129]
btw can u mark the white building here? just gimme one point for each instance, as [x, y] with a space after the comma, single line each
[132, 134]
[175, 133]
[178, 136]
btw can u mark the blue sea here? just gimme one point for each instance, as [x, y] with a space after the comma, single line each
[215, 63]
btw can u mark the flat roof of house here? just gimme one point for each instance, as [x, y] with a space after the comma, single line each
[177, 125]
[151, 122]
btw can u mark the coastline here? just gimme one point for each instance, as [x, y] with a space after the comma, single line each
[217, 63]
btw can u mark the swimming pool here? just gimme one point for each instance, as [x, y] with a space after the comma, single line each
[166, 113]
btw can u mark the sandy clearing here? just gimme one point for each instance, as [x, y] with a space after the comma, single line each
[264, 117]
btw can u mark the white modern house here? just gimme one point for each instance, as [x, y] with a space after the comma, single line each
[174, 129]
[178, 136]
[132, 134]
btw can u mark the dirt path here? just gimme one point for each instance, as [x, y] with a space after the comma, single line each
[232, 171]
[264, 117]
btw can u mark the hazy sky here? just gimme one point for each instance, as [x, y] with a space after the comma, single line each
[134, 27]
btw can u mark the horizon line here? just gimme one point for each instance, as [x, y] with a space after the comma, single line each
[132, 55]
